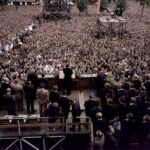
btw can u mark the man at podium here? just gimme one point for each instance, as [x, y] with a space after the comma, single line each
[68, 79]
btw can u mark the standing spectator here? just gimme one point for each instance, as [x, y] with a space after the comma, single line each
[42, 96]
[100, 81]
[89, 104]
[53, 112]
[137, 82]
[54, 95]
[67, 79]
[64, 104]
[110, 141]
[121, 108]
[145, 132]
[107, 90]
[100, 123]
[1, 98]
[21, 79]
[32, 76]
[96, 109]
[133, 107]
[127, 127]
[99, 140]
[76, 112]
[29, 94]
[10, 102]
[117, 126]
[18, 92]
[4, 85]
[109, 109]
[147, 85]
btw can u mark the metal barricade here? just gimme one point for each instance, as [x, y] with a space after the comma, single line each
[19, 130]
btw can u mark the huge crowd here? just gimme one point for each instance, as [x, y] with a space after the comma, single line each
[47, 49]
[122, 68]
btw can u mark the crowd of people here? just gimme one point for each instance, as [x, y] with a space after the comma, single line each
[122, 67]
[124, 115]
[53, 44]
[120, 117]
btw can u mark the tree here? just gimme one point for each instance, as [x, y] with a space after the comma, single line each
[82, 5]
[144, 3]
[2, 3]
[104, 5]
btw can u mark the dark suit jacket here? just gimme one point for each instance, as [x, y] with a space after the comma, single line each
[53, 113]
[33, 78]
[54, 97]
[68, 72]
[121, 111]
[65, 105]
[110, 142]
[101, 125]
[109, 112]
[94, 111]
[29, 92]
[76, 110]
[147, 85]
[4, 87]
[89, 104]
[137, 84]
[10, 102]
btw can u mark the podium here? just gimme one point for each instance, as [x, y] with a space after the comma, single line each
[60, 81]
[61, 75]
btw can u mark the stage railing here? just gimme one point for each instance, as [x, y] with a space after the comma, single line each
[18, 129]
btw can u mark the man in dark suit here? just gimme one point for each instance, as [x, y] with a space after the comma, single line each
[100, 81]
[89, 105]
[67, 79]
[4, 85]
[110, 141]
[145, 132]
[128, 126]
[32, 76]
[64, 104]
[95, 110]
[10, 102]
[76, 112]
[29, 94]
[53, 112]
[121, 108]
[54, 95]
[100, 123]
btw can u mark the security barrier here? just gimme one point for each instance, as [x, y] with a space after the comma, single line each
[19, 130]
